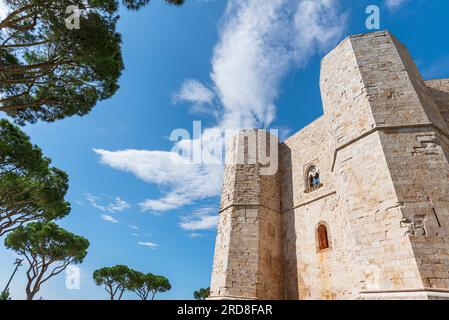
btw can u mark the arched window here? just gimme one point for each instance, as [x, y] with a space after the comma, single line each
[313, 178]
[323, 239]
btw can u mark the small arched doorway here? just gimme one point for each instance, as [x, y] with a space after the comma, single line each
[322, 237]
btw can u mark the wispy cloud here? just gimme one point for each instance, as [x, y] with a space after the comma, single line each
[135, 234]
[395, 4]
[200, 223]
[3, 9]
[133, 227]
[195, 235]
[187, 182]
[117, 204]
[108, 218]
[150, 245]
[202, 219]
[193, 91]
[200, 97]
[260, 43]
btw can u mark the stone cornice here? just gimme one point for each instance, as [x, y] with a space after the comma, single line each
[385, 128]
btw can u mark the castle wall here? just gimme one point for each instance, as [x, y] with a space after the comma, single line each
[392, 189]
[355, 84]
[439, 90]
[412, 134]
[380, 256]
[344, 96]
[420, 172]
[309, 273]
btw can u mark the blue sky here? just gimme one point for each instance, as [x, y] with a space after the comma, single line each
[227, 64]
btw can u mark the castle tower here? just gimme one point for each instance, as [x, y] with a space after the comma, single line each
[390, 147]
[359, 208]
[248, 253]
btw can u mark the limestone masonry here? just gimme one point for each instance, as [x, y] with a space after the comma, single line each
[359, 205]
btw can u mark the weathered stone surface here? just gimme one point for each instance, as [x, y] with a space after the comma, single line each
[382, 150]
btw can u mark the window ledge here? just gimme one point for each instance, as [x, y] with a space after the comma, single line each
[314, 188]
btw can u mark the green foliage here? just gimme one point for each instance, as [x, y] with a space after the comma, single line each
[48, 248]
[48, 71]
[160, 284]
[137, 4]
[4, 295]
[201, 294]
[115, 280]
[144, 284]
[30, 190]
[118, 279]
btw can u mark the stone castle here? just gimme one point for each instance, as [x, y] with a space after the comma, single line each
[359, 206]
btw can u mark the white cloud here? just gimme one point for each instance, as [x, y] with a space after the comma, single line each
[186, 182]
[3, 9]
[134, 227]
[318, 25]
[199, 96]
[108, 218]
[194, 235]
[195, 92]
[260, 42]
[135, 234]
[202, 219]
[150, 245]
[200, 223]
[394, 4]
[117, 205]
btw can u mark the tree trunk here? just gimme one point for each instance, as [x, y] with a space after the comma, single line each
[120, 296]
[30, 294]
[28, 291]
